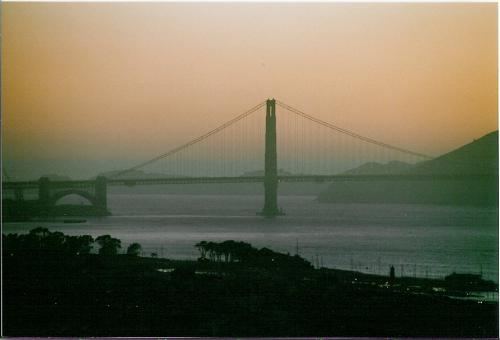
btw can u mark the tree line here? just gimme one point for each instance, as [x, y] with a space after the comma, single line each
[41, 241]
[45, 243]
[237, 251]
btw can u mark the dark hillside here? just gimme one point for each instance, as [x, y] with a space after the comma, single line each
[478, 159]
[374, 168]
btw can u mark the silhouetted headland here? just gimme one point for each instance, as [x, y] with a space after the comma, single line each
[57, 285]
[475, 166]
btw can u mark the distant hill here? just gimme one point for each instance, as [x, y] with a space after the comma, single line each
[55, 177]
[136, 174]
[285, 189]
[374, 168]
[259, 173]
[477, 158]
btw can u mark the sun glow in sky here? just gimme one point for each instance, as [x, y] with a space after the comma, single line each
[89, 87]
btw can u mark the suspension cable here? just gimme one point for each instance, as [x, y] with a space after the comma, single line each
[350, 133]
[194, 141]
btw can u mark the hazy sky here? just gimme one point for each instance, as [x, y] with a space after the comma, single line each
[84, 84]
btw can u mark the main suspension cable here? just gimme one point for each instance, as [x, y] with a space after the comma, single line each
[350, 133]
[194, 141]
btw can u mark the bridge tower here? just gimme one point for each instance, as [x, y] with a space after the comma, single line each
[271, 164]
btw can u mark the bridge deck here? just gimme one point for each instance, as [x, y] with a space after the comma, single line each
[242, 179]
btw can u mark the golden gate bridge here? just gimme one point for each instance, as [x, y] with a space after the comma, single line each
[297, 147]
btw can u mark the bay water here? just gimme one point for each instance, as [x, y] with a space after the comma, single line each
[418, 240]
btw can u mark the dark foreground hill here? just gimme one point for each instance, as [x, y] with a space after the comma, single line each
[54, 286]
[478, 160]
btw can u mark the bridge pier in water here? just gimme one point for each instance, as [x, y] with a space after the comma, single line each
[101, 193]
[271, 164]
[44, 194]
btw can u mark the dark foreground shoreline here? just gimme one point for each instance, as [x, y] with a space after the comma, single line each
[121, 295]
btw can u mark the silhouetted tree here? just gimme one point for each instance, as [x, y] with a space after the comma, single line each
[218, 251]
[228, 249]
[243, 251]
[54, 243]
[34, 242]
[225, 249]
[79, 245]
[85, 244]
[210, 246]
[134, 249]
[202, 247]
[39, 232]
[41, 242]
[231, 250]
[109, 245]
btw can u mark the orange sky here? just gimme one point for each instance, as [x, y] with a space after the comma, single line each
[89, 82]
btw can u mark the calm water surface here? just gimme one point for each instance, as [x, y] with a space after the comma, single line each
[425, 241]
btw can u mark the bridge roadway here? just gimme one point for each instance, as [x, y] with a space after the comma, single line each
[239, 179]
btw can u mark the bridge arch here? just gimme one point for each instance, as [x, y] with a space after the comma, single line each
[60, 194]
